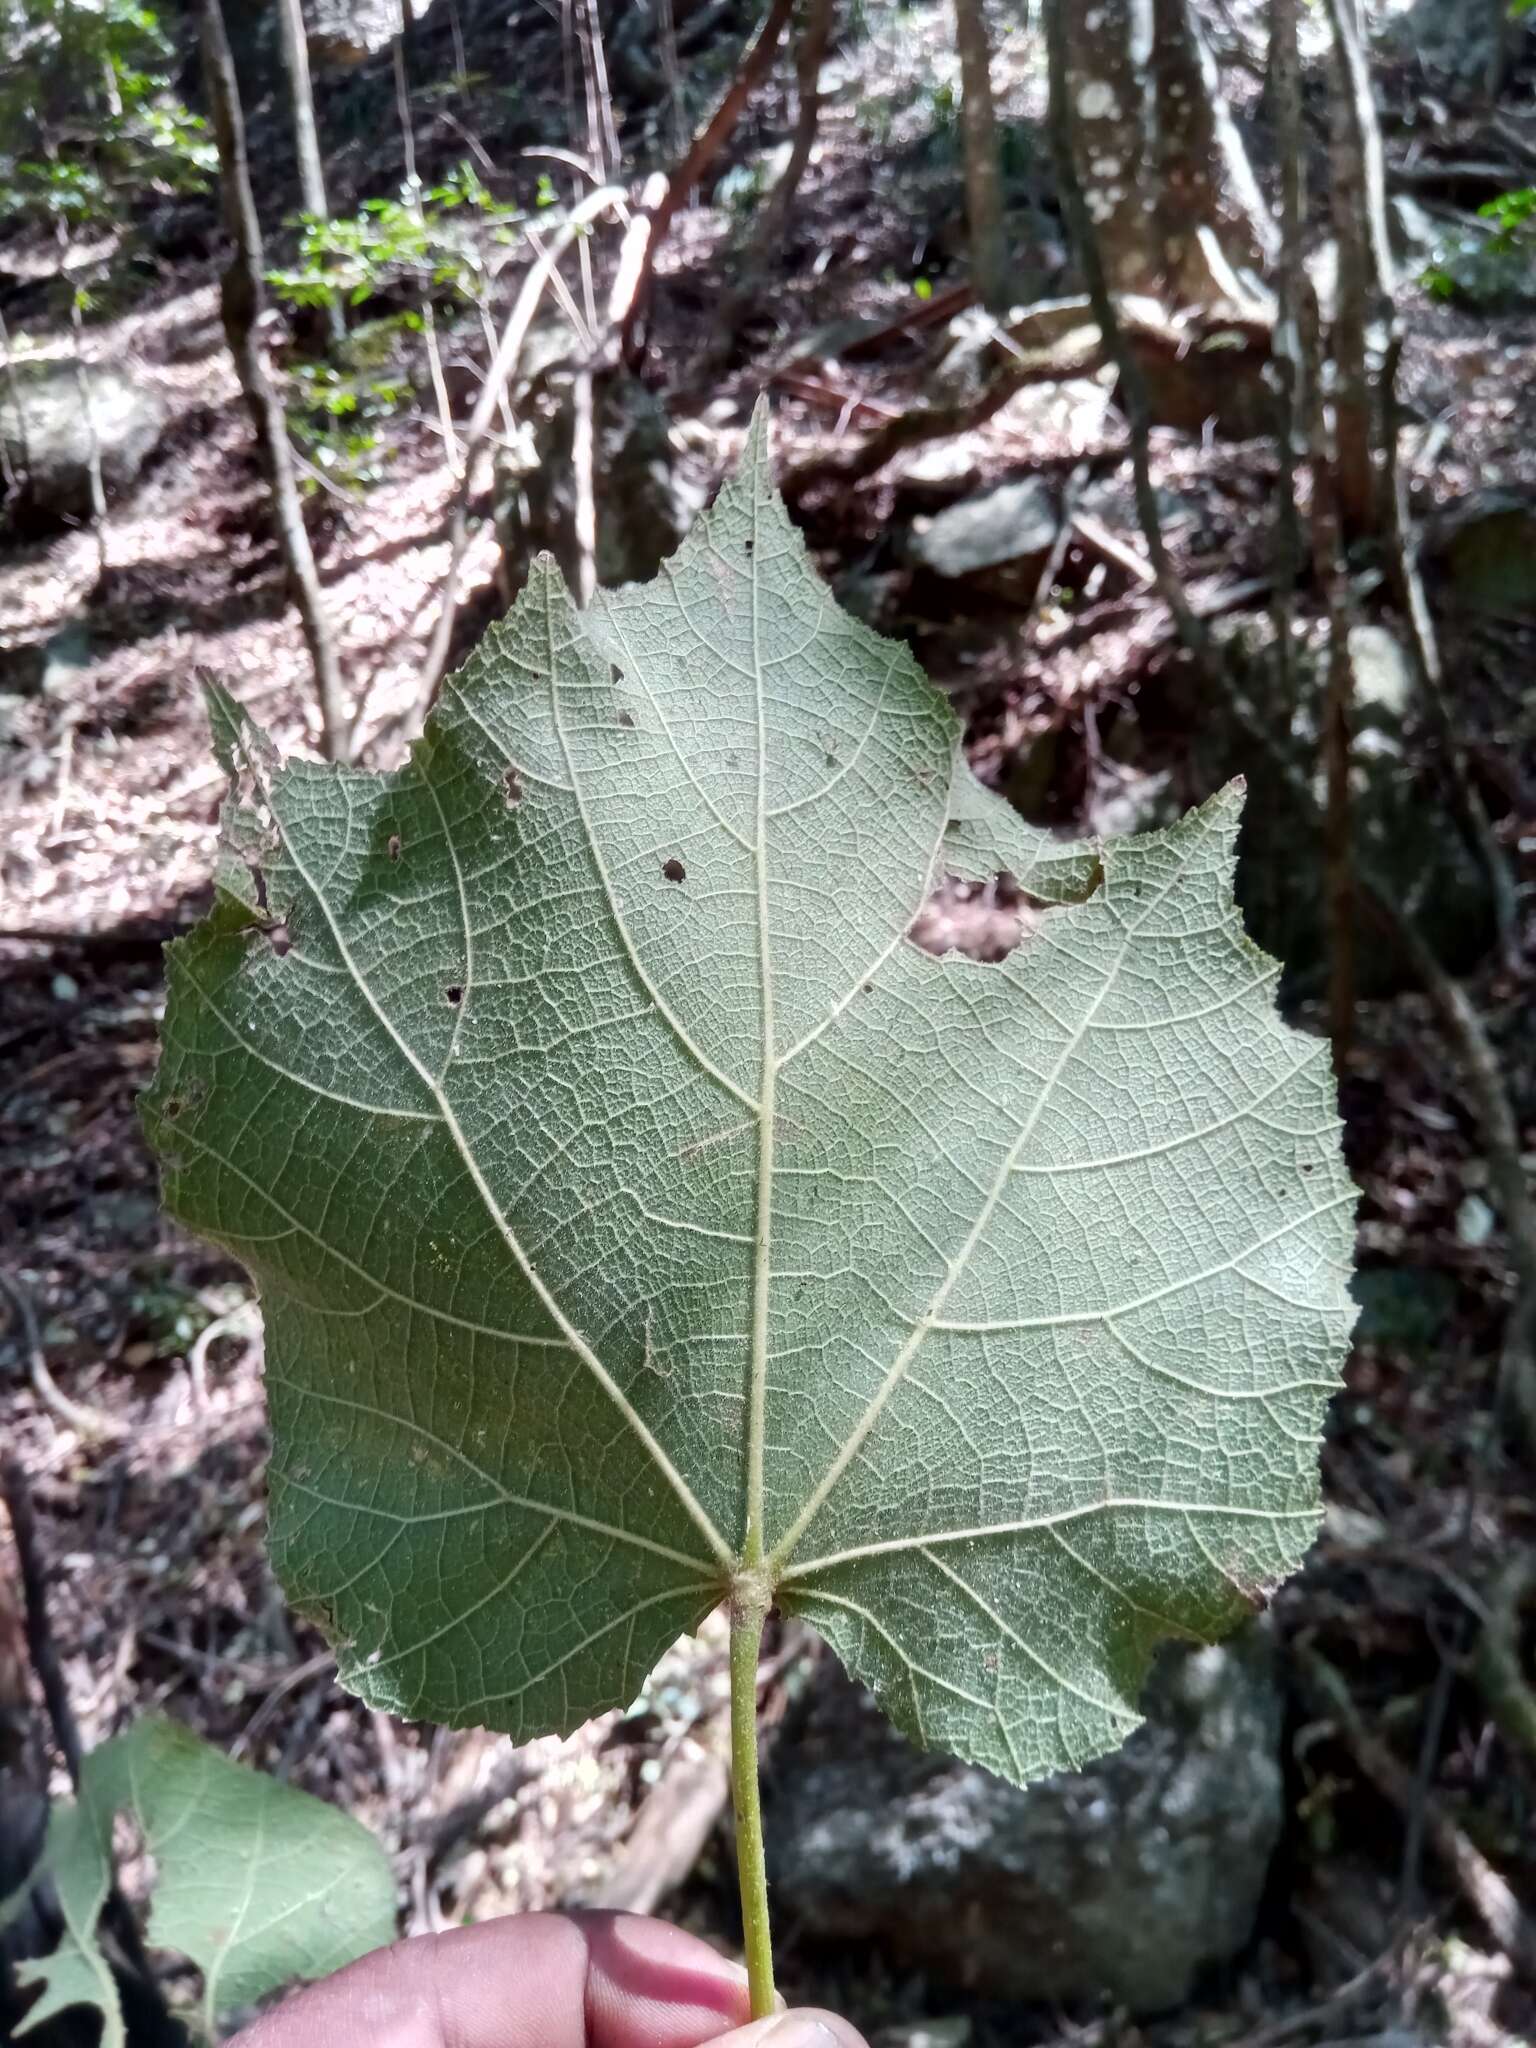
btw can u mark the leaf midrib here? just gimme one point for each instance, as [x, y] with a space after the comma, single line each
[762, 1257]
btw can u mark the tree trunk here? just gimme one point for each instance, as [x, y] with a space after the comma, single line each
[1208, 199]
[983, 171]
[1083, 227]
[764, 254]
[306, 136]
[1363, 316]
[239, 304]
[1105, 71]
[94, 477]
[1500, 43]
[1292, 354]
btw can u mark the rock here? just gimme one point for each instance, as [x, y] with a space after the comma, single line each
[936, 474]
[1121, 1881]
[1202, 375]
[977, 345]
[1075, 411]
[54, 665]
[1484, 547]
[47, 437]
[1112, 501]
[645, 497]
[1447, 44]
[1384, 679]
[972, 353]
[1385, 689]
[1280, 874]
[999, 538]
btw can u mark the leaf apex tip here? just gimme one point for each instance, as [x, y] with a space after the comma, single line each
[760, 427]
[231, 725]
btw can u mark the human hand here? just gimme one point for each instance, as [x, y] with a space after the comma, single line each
[541, 1980]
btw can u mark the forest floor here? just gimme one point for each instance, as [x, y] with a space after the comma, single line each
[152, 1511]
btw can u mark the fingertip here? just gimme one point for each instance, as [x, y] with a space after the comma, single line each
[806, 2027]
[651, 1985]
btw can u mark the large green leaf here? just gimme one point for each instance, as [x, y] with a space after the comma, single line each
[255, 1883]
[635, 1207]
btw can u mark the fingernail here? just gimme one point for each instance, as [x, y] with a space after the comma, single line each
[796, 2030]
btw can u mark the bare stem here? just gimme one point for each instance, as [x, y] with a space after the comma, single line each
[749, 1610]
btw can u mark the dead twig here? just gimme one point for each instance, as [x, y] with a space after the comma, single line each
[1485, 1891]
[1331, 2008]
[90, 1423]
[584, 514]
[1080, 354]
[1051, 569]
[197, 1351]
[1097, 537]
[312, 1667]
[669, 1835]
[435, 1835]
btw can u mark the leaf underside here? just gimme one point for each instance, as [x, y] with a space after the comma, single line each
[256, 1883]
[632, 1202]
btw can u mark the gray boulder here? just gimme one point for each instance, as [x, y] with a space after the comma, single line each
[47, 417]
[1121, 1881]
[998, 538]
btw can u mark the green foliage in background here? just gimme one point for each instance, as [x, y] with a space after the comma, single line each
[256, 1883]
[437, 239]
[335, 410]
[1496, 266]
[88, 119]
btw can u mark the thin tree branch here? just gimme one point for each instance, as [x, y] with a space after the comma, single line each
[1289, 353]
[239, 303]
[768, 232]
[496, 378]
[290, 19]
[89, 1423]
[1487, 1893]
[1497, 1663]
[703, 150]
[1369, 271]
[922, 423]
[44, 1654]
